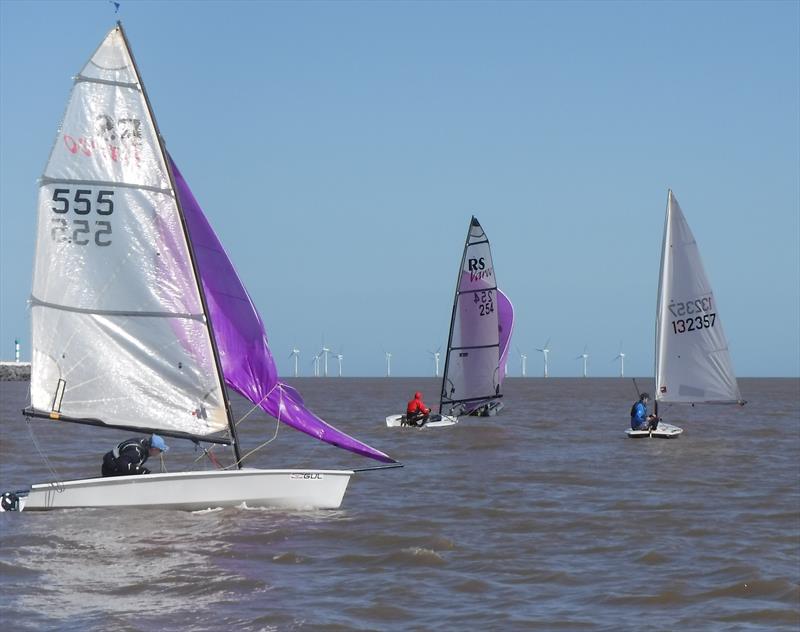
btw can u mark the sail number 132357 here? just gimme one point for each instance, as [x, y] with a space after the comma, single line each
[705, 321]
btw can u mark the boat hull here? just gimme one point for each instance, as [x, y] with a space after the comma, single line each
[664, 431]
[437, 421]
[192, 491]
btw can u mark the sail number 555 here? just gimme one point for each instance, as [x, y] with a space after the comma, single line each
[81, 231]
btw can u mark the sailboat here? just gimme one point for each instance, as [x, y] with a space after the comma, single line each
[139, 320]
[692, 361]
[481, 325]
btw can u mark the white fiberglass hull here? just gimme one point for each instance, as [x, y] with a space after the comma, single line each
[436, 421]
[286, 489]
[664, 431]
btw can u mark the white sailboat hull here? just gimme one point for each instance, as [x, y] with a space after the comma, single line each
[664, 431]
[192, 491]
[437, 421]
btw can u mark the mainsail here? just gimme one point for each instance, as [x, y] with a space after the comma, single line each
[692, 359]
[472, 363]
[247, 364]
[120, 336]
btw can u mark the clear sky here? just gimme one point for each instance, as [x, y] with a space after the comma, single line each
[340, 148]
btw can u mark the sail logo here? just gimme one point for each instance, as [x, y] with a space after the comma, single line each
[317, 476]
[119, 139]
[480, 275]
[476, 264]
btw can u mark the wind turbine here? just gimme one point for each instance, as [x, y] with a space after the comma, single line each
[436, 355]
[388, 364]
[545, 350]
[340, 357]
[621, 358]
[324, 352]
[316, 365]
[296, 355]
[524, 361]
[585, 357]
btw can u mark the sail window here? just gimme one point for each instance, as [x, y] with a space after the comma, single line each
[58, 396]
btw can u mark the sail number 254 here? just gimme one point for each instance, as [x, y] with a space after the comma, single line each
[483, 300]
[82, 230]
[694, 324]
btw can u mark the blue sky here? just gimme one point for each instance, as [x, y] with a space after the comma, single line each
[339, 150]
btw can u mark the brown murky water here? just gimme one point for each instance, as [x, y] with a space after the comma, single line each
[546, 517]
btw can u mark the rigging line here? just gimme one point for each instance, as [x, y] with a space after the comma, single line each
[206, 452]
[57, 482]
[245, 416]
[274, 436]
[258, 405]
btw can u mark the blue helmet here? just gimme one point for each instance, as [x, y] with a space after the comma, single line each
[158, 443]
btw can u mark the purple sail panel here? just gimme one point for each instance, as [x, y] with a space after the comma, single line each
[247, 364]
[505, 323]
[285, 404]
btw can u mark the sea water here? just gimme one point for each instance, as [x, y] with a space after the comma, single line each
[545, 517]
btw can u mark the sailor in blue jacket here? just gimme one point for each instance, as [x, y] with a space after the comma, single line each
[640, 420]
[129, 456]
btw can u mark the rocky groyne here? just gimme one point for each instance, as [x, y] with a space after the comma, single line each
[15, 371]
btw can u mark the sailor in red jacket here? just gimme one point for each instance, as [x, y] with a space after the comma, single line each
[416, 411]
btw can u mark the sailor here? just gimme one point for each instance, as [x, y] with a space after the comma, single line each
[640, 420]
[129, 456]
[417, 412]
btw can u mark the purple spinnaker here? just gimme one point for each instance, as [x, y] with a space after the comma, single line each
[247, 364]
[505, 323]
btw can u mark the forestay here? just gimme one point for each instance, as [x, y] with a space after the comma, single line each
[472, 373]
[119, 332]
[692, 359]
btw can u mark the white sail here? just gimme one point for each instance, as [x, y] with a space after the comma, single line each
[473, 352]
[119, 333]
[692, 359]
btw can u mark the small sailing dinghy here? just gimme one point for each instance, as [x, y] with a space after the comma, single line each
[692, 361]
[139, 319]
[480, 333]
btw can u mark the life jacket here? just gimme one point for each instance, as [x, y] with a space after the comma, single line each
[638, 414]
[416, 405]
[134, 451]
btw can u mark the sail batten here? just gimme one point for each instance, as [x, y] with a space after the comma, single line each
[44, 180]
[35, 302]
[107, 82]
[693, 364]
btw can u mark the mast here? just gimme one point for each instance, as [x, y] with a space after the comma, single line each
[472, 223]
[660, 300]
[190, 247]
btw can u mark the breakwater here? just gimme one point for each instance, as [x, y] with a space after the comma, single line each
[15, 371]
